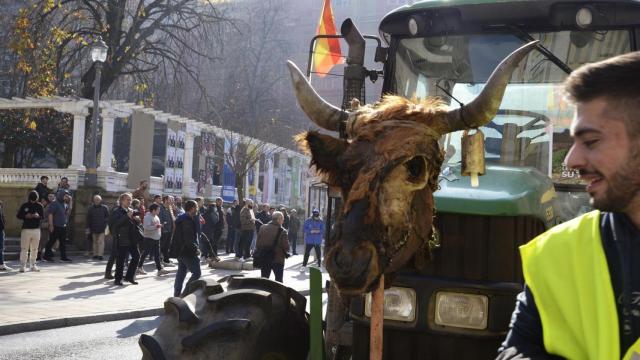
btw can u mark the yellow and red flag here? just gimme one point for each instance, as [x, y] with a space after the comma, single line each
[326, 52]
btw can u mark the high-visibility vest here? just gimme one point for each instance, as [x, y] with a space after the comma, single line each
[567, 273]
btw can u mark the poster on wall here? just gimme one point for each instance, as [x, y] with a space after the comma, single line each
[168, 178]
[178, 177]
[171, 158]
[179, 158]
[202, 181]
[181, 139]
[171, 138]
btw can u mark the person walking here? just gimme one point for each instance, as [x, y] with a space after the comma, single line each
[185, 247]
[3, 223]
[30, 213]
[313, 231]
[231, 231]
[236, 208]
[582, 284]
[247, 227]
[167, 220]
[125, 233]
[44, 226]
[96, 224]
[294, 227]
[273, 236]
[58, 218]
[152, 234]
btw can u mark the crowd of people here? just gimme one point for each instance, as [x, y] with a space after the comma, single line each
[161, 228]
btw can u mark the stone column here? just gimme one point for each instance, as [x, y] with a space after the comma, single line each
[77, 150]
[106, 150]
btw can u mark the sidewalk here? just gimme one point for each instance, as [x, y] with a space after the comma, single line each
[68, 291]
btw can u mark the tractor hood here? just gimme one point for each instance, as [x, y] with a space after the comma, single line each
[503, 191]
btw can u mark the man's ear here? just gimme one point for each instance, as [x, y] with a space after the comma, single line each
[324, 151]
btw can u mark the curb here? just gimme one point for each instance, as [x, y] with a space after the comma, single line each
[48, 324]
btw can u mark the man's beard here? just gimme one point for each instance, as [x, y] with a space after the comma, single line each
[623, 185]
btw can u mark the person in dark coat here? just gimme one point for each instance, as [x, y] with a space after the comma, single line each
[294, 227]
[184, 247]
[125, 233]
[231, 231]
[96, 224]
[42, 188]
[271, 233]
[214, 225]
[235, 213]
[167, 219]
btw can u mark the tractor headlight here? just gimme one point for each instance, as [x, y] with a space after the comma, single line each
[462, 310]
[399, 304]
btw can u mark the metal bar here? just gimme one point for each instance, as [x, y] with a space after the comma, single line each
[315, 323]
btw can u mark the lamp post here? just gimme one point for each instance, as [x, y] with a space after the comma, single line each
[98, 56]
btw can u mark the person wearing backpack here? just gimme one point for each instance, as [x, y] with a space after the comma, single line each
[273, 242]
[184, 247]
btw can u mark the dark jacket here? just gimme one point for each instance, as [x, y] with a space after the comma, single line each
[97, 218]
[2, 220]
[185, 240]
[219, 226]
[264, 218]
[30, 208]
[123, 228]
[43, 191]
[211, 219]
[166, 218]
[266, 237]
[235, 217]
[294, 225]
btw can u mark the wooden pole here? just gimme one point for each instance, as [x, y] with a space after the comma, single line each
[377, 316]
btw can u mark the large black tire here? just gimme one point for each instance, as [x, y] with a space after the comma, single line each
[255, 318]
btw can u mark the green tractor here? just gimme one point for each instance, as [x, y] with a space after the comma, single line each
[460, 307]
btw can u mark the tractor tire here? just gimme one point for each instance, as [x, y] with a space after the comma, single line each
[255, 318]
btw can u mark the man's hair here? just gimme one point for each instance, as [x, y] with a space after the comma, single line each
[277, 215]
[123, 195]
[157, 196]
[135, 202]
[199, 198]
[44, 177]
[97, 197]
[153, 207]
[165, 198]
[64, 178]
[33, 195]
[616, 80]
[190, 204]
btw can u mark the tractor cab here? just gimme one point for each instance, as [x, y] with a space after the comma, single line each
[460, 306]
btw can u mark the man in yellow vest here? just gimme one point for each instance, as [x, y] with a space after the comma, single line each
[582, 284]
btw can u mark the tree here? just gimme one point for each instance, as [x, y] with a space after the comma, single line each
[29, 133]
[243, 155]
[249, 88]
[143, 36]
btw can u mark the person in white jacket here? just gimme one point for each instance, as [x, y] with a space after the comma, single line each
[152, 232]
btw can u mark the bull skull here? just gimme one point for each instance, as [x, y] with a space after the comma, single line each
[387, 171]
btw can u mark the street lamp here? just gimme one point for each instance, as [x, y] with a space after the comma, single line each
[98, 55]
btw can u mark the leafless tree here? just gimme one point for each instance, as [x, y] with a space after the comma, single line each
[144, 36]
[244, 153]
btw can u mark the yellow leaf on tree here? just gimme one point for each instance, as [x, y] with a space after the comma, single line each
[33, 125]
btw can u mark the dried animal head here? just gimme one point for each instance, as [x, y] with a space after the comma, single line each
[387, 171]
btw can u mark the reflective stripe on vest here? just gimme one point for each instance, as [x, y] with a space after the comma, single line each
[566, 270]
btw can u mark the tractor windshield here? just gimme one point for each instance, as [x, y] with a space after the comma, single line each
[532, 126]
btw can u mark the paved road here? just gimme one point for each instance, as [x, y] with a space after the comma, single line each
[103, 341]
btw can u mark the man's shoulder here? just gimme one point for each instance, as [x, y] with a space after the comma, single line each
[569, 233]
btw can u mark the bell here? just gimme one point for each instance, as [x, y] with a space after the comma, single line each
[473, 155]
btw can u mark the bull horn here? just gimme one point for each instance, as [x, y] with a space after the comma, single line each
[319, 111]
[485, 106]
